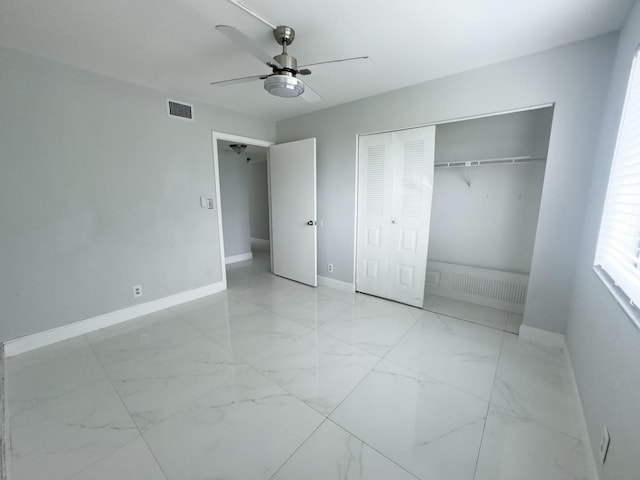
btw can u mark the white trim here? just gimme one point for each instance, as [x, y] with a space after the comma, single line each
[238, 258]
[583, 419]
[48, 337]
[462, 119]
[260, 243]
[543, 337]
[4, 422]
[337, 284]
[355, 213]
[229, 137]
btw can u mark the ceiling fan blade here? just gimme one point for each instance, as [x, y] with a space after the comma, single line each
[244, 42]
[352, 65]
[310, 95]
[234, 81]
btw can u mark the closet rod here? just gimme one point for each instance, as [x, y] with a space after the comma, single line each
[490, 161]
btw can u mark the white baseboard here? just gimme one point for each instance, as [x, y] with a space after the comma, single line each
[48, 337]
[4, 423]
[337, 284]
[238, 258]
[589, 447]
[260, 243]
[543, 337]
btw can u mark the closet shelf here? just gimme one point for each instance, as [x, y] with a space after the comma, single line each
[490, 161]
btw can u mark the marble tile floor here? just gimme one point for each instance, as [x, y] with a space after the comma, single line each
[491, 317]
[275, 380]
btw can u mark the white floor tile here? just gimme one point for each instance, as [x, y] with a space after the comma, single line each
[535, 382]
[245, 429]
[516, 448]
[454, 351]
[480, 314]
[429, 428]
[203, 314]
[126, 345]
[132, 461]
[318, 369]
[158, 386]
[406, 391]
[373, 332]
[255, 337]
[380, 305]
[332, 453]
[49, 372]
[311, 313]
[61, 437]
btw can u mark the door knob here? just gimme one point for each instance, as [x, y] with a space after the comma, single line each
[311, 223]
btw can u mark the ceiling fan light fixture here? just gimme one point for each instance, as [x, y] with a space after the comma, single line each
[286, 86]
[238, 147]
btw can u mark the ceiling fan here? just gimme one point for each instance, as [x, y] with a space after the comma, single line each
[283, 80]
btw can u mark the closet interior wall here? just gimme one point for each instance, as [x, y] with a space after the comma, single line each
[484, 218]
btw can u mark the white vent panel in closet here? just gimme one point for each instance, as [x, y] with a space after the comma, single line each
[375, 179]
[412, 178]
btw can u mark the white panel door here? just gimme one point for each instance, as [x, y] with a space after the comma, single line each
[375, 183]
[292, 190]
[411, 214]
[395, 186]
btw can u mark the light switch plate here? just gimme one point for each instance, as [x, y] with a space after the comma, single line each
[203, 202]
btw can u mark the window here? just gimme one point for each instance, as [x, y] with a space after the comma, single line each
[618, 251]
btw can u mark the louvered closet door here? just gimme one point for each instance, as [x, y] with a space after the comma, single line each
[394, 211]
[375, 184]
[411, 214]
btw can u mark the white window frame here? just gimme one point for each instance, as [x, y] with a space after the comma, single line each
[617, 260]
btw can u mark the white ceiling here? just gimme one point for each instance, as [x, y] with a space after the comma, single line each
[172, 45]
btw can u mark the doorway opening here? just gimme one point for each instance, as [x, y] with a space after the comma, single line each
[244, 208]
[242, 201]
[266, 200]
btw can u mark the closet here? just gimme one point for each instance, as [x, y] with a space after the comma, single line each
[395, 185]
[488, 182]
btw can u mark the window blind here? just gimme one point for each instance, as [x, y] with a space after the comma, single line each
[618, 251]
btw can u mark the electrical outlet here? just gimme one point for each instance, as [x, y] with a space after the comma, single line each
[604, 444]
[137, 290]
[330, 267]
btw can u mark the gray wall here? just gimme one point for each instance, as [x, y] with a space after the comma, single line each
[604, 344]
[99, 191]
[575, 77]
[234, 185]
[509, 135]
[258, 199]
[492, 223]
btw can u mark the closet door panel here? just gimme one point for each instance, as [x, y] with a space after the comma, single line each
[411, 214]
[375, 184]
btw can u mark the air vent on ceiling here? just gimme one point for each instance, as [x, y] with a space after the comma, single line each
[180, 110]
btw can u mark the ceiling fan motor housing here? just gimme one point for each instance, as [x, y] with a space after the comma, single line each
[287, 62]
[284, 35]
